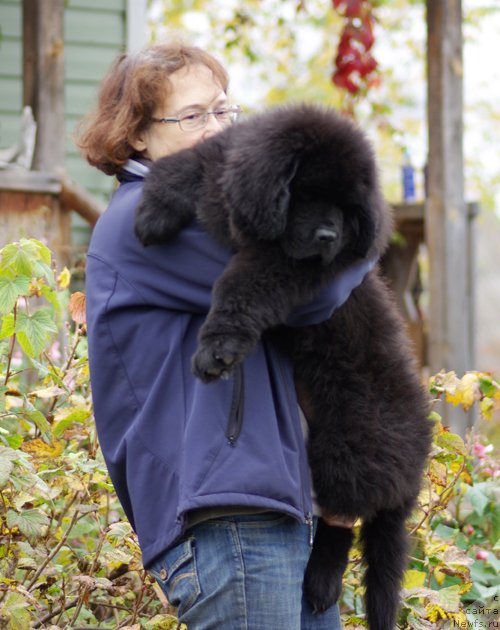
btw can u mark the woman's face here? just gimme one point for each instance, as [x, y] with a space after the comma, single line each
[193, 89]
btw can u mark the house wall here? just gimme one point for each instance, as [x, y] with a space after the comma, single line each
[95, 31]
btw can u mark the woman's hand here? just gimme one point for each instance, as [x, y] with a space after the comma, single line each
[335, 520]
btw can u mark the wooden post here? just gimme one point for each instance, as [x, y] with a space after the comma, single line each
[43, 72]
[446, 214]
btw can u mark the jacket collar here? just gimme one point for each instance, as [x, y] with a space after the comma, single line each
[134, 170]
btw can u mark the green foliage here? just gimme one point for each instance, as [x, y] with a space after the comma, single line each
[456, 527]
[69, 559]
[67, 555]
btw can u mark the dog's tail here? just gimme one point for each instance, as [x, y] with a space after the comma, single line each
[385, 547]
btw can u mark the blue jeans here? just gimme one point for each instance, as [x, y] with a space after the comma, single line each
[242, 573]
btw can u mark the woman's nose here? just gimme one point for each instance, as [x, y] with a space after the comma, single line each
[213, 126]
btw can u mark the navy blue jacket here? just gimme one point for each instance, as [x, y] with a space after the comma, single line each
[171, 443]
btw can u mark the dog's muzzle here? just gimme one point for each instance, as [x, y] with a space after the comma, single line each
[328, 241]
[326, 235]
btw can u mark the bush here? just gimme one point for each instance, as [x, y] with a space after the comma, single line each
[453, 576]
[68, 557]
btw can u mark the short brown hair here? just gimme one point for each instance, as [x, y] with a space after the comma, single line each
[128, 97]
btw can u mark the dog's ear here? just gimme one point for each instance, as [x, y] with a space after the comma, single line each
[363, 227]
[369, 220]
[169, 197]
[256, 185]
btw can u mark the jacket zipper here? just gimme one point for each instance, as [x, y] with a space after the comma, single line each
[235, 421]
[308, 516]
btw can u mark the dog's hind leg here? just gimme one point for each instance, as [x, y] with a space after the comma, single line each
[326, 566]
[385, 553]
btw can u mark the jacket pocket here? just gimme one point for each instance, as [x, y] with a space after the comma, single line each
[177, 574]
[235, 420]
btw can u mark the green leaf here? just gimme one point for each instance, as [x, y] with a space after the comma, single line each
[449, 598]
[487, 386]
[51, 296]
[43, 251]
[163, 622]
[33, 331]
[18, 259]
[451, 442]
[31, 523]
[117, 532]
[27, 563]
[14, 441]
[479, 500]
[6, 467]
[7, 327]
[16, 612]
[10, 290]
[73, 415]
[40, 421]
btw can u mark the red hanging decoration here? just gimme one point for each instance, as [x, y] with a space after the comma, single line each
[355, 66]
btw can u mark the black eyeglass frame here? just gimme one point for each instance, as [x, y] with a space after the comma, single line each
[233, 110]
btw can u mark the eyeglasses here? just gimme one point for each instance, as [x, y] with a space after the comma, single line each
[198, 120]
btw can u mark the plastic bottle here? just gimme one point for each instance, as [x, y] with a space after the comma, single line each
[408, 178]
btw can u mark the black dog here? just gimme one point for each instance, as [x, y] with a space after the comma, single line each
[295, 193]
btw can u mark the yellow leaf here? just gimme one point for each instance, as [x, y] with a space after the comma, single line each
[465, 392]
[437, 473]
[439, 576]
[64, 278]
[435, 612]
[486, 407]
[414, 579]
[41, 450]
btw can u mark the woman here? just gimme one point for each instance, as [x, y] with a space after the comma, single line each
[214, 478]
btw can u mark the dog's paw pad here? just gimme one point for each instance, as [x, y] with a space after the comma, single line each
[210, 365]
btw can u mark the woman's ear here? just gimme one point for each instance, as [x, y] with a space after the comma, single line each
[256, 185]
[138, 142]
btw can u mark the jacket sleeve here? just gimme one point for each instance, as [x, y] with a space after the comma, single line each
[331, 297]
[178, 275]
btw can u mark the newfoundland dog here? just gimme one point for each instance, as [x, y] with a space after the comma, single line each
[294, 193]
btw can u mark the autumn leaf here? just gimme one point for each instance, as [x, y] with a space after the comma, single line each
[437, 473]
[466, 392]
[64, 278]
[41, 450]
[77, 307]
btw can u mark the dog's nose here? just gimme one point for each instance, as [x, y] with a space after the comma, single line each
[326, 235]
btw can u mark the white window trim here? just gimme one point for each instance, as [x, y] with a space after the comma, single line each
[137, 25]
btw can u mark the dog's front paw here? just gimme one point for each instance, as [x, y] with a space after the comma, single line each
[149, 227]
[218, 355]
[322, 584]
[216, 359]
[156, 224]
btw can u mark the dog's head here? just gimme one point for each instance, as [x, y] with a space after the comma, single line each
[306, 176]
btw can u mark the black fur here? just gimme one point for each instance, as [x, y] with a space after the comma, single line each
[295, 193]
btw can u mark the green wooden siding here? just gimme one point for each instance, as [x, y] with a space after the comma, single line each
[94, 33]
